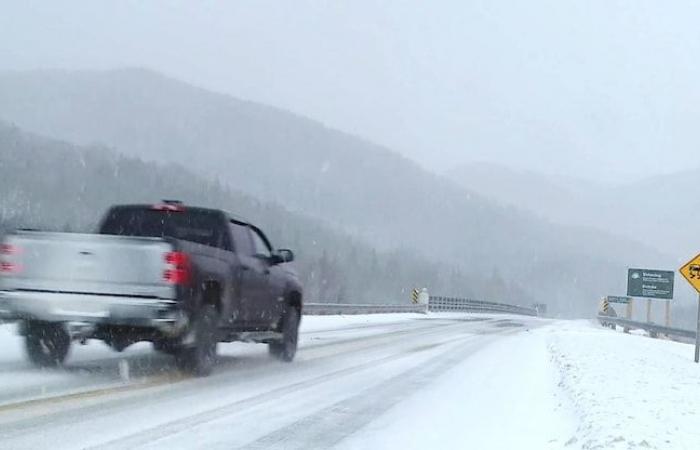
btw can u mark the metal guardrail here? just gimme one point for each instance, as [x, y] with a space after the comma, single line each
[439, 304]
[321, 309]
[652, 328]
[436, 304]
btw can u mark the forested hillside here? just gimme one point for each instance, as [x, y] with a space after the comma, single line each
[350, 184]
[54, 185]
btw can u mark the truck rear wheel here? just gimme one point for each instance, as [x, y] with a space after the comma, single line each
[47, 343]
[199, 358]
[287, 349]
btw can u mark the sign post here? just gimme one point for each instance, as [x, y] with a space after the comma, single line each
[648, 310]
[697, 335]
[630, 311]
[691, 272]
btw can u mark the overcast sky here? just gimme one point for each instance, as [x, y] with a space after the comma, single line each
[601, 89]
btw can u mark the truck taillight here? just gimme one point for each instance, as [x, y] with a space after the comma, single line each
[7, 268]
[7, 256]
[8, 249]
[179, 270]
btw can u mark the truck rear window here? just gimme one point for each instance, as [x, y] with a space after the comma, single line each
[202, 227]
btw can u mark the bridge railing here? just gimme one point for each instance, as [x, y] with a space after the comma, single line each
[321, 309]
[435, 304]
[438, 304]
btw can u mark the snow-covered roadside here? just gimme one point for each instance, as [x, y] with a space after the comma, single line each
[505, 396]
[628, 391]
[570, 385]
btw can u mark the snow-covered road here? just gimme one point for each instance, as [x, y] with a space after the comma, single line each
[398, 381]
[350, 371]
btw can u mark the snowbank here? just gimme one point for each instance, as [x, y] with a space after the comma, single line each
[628, 391]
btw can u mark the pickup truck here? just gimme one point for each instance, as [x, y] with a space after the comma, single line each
[184, 278]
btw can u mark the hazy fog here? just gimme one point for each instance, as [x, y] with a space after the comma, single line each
[602, 89]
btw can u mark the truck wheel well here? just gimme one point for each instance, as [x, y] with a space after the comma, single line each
[211, 294]
[294, 299]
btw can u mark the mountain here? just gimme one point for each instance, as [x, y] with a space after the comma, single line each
[555, 198]
[53, 185]
[659, 211]
[349, 184]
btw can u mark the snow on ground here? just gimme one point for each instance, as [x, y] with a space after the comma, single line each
[568, 385]
[503, 397]
[628, 391]
[96, 366]
[339, 322]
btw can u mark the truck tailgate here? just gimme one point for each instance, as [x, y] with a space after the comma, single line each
[88, 264]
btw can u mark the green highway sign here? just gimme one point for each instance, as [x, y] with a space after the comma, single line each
[649, 283]
[618, 299]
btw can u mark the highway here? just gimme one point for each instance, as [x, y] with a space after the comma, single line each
[346, 375]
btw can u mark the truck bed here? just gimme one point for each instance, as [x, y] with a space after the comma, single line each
[88, 264]
[70, 277]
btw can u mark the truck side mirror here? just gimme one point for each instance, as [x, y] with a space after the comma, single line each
[282, 255]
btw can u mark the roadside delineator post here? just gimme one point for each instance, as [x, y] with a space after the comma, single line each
[414, 295]
[424, 299]
[607, 309]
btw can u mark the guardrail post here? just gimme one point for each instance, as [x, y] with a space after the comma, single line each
[424, 299]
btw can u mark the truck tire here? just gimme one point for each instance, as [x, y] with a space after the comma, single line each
[287, 349]
[167, 346]
[47, 343]
[198, 359]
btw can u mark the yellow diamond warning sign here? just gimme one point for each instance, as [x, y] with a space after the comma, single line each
[691, 272]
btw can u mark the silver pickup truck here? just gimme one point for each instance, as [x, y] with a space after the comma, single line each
[183, 278]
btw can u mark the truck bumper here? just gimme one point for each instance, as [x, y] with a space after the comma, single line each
[161, 314]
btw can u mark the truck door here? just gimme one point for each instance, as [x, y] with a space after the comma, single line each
[274, 291]
[252, 279]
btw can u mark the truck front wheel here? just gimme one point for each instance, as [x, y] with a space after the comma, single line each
[47, 343]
